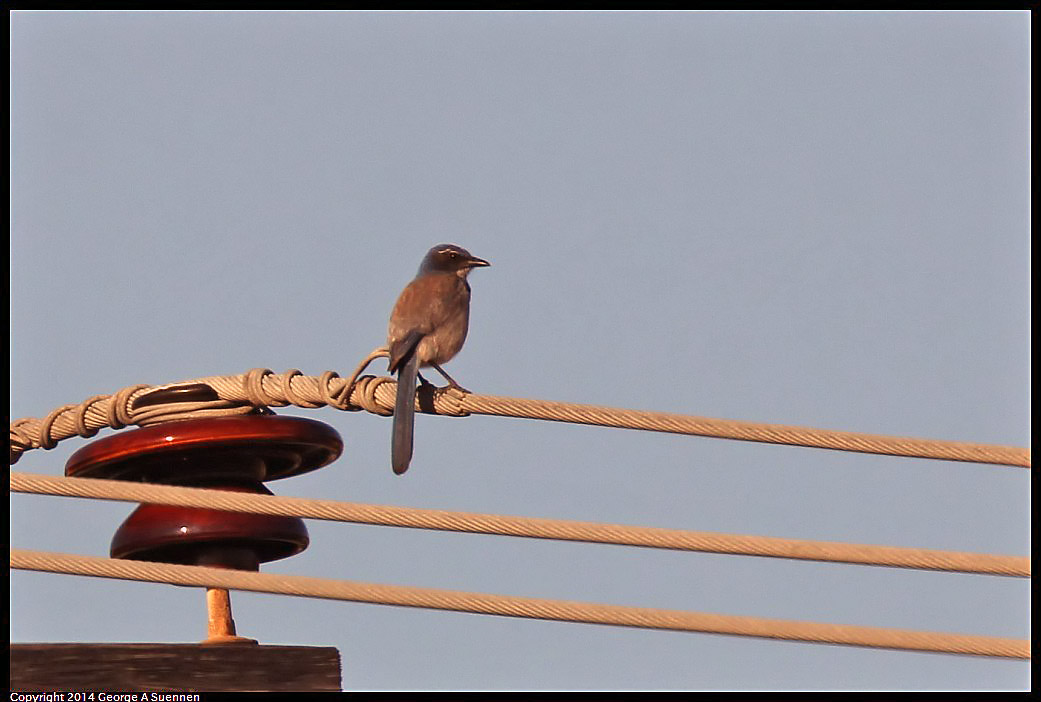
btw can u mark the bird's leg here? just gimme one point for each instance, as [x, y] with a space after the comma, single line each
[422, 380]
[447, 377]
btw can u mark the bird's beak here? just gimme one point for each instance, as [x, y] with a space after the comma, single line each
[478, 262]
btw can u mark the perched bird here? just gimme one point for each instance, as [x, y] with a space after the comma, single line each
[427, 328]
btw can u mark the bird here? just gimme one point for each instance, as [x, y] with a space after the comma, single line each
[427, 327]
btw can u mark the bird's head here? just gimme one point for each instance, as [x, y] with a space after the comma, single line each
[449, 258]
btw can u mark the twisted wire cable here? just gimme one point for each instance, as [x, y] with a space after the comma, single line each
[261, 387]
[529, 607]
[566, 530]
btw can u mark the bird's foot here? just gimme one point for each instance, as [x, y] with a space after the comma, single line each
[452, 385]
[456, 389]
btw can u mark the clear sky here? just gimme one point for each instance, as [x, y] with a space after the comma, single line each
[818, 219]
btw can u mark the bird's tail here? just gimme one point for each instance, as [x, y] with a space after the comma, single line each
[404, 415]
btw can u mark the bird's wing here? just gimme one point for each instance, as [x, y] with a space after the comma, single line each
[401, 350]
[409, 322]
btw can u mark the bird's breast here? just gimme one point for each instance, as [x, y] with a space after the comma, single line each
[437, 306]
[447, 339]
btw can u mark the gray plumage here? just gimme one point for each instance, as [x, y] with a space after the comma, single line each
[427, 328]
